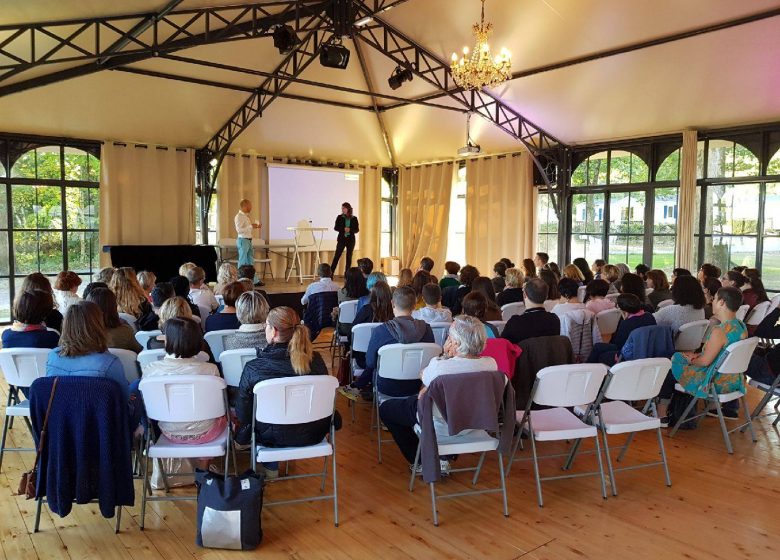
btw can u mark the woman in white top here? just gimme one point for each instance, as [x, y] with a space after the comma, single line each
[65, 287]
[689, 301]
[183, 341]
[568, 289]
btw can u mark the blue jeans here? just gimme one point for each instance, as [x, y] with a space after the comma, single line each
[245, 255]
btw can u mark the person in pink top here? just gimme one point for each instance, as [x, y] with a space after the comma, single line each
[595, 297]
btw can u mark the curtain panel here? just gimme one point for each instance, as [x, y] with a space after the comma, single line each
[687, 202]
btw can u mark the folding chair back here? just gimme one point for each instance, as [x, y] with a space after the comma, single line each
[440, 332]
[568, 385]
[129, 360]
[742, 312]
[143, 337]
[233, 362]
[361, 335]
[637, 380]
[608, 320]
[146, 357]
[347, 312]
[130, 320]
[774, 302]
[665, 303]
[183, 398]
[759, 312]
[511, 309]
[738, 356]
[295, 400]
[581, 293]
[690, 336]
[406, 361]
[216, 341]
[22, 366]
[499, 326]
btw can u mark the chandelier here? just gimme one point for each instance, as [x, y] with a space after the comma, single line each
[479, 68]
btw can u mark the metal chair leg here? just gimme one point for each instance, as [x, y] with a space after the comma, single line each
[748, 419]
[146, 481]
[414, 469]
[118, 519]
[684, 416]
[624, 449]
[724, 430]
[2, 445]
[663, 456]
[335, 479]
[324, 474]
[38, 515]
[503, 482]
[378, 429]
[612, 482]
[601, 468]
[572, 454]
[479, 468]
[433, 504]
[536, 469]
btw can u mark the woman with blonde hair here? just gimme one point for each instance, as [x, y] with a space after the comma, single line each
[611, 274]
[147, 280]
[513, 292]
[185, 268]
[573, 272]
[289, 353]
[175, 307]
[252, 311]
[227, 274]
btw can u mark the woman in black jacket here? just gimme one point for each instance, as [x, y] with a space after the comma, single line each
[347, 226]
[289, 353]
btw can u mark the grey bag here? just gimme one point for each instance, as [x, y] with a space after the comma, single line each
[229, 510]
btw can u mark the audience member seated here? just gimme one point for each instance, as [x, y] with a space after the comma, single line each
[462, 350]
[549, 278]
[513, 291]
[405, 277]
[475, 305]
[65, 286]
[634, 316]
[401, 329]
[354, 285]
[568, 288]
[181, 287]
[366, 266]
[598, 268]
[251, 312]
[324, 284]
[37, 281]
[105, 275]
[433, 311]
[677, 272]
[630, 283]
[176, 307]
[610, 273]
[656, 279]
[595, 296]
[183, 342]
[227, 274]
[483, 285]
[147, 280]
[507, 262]
[528, 268]
[378, 310]
[690, 369]
[536, 321]
[688, 305]
[419, 280]
[185, 268]
[641, 270]
[131, 299]
[289, 353]
[553, 267]
[226, 319]
[450, 279]
[711, 287]
[452, 297]
[733, 279]
[200, 294]
[118, 333]
[371, 281]
[587, 273]
[541, 260]
[755, 292]
[247, 274]
[83, 348]
[499, 278]
[707, 270]
[426, 265]
[29, 327]
[92, 286]
[161, 293]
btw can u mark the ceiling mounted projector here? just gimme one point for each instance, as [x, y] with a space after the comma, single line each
[471, 148]
[334, 55]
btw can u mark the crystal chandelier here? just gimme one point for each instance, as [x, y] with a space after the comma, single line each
[480, 69]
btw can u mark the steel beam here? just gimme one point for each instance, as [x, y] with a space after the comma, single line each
[367, 77]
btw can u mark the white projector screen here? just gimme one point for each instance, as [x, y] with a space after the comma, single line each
[297, 193]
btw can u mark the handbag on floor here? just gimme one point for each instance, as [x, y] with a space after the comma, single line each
[182, 467]
[677, 406]
[229, 510]
[29, 480]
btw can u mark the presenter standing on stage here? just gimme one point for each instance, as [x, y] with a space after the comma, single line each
[244, 231]
[347, 226]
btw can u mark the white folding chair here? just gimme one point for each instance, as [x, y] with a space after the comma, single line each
[774, 302]
[130, 320]
[441, 330]
[183, 398]
[636, 380]
[129, 361]
[690, 336]
[581, 293]
[561, 387]
[402, 362]
[648, 291]
[734, 361]
[608, 320]
[347, 313]
[233, 362]
[143, 337]
[665, 303]
[499, 326]
[298, 400]
[220, 299]
[216, 341]
[205, 311]
[511, 309]
[146, 357]
[361, 336]
[771, 391]
[742, 312]
[20, 367]
[758, 313]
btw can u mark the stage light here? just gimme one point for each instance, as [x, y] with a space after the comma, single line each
[399, 76]
[334, 55]
[285, 39]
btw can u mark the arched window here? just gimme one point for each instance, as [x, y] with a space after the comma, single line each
[611, 167]
[669, 170]
[774, 164]
[727, 159]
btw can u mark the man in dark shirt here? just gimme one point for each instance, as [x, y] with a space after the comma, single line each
[536, 321]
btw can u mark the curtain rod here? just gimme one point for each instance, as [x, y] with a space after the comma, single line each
[459, 159]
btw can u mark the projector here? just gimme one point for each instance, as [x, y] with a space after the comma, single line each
[470, 149]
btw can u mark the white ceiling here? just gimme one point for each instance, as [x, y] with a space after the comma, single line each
[724, 78]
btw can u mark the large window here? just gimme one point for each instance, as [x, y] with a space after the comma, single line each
[456, 237]
[212, 220]
[387, 214]
[49, 208]
[548, 220]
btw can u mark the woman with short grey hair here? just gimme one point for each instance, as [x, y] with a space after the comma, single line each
[251, 311]
[467, 338]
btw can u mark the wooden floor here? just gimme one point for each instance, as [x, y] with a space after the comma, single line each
[719, 506]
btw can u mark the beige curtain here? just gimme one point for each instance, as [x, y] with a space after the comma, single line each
[369, 216]
[686, 202]
[147, 196]
[423, 212]
[500, 210]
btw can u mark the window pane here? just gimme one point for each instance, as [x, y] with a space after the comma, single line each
[48, 162]
[384, 245]
[548, 243]
[728, 252]
[76, 165]
[731, 209]
[770, 266]
[94, 168]
[25, 252]
[2, 170]
[50, 243]
[774, 164]
[4, 261]
[669, 170]
[36, 207]
[587, 213]
[590, 247]
[580, 175]
[384, 188]
[547, 240]
[597, 169]
[627, 212]
[81, 250]
[386, 213]
[772, 209]
[24, 166]
[5, 300]
[626, 167]
[625, 249]
[663, 252]
[729, 159]
[3, 207]
[665, 211]
[78, 209]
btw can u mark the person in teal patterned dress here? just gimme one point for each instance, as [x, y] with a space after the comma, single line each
[692, 369]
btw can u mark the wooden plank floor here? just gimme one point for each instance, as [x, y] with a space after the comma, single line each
[719, 506]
